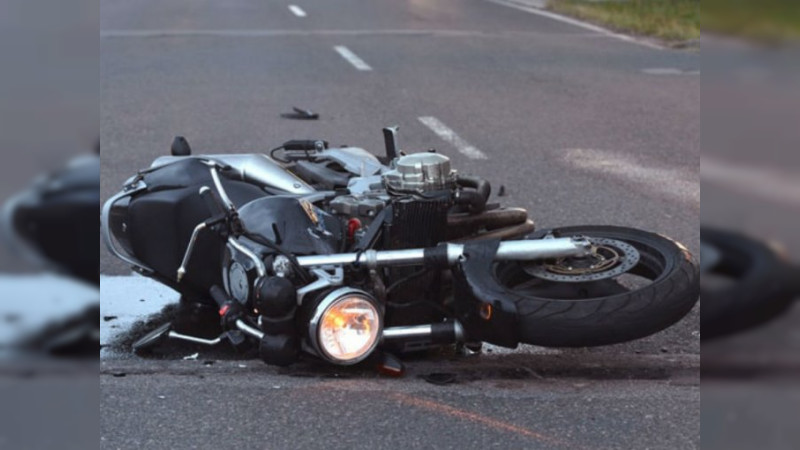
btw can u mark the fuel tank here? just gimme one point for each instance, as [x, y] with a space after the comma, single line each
[253, 168]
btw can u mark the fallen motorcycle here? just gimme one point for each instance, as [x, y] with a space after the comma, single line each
[337, 253]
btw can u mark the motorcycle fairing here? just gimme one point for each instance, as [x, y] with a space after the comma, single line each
[285, 221]
[159, 220]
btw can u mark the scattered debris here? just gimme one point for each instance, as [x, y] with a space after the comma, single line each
[209, 362]
[192, 357]
[162, 397]
[301, 114]
[109, 318]
[440, 378]
[119, 374]
[502, 191]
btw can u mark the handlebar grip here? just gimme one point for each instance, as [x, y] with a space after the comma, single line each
[219, 295]
[305, 145]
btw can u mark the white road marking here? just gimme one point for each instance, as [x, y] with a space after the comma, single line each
[129, 299]
[32, 301]
[578, 23]
[771, 184]
[352, 58]
[669, 71]
[261, 33]
[450, 136]
[297, 11]
[676, 184]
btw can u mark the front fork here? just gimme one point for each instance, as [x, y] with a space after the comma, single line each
[441, 256]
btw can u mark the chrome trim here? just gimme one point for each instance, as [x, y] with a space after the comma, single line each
[324, 305]
[189, 249]
[221, 190]
[260, 267]
[459, 332]
[105, 230]
[196, 340]
[524, 250]
[407, 332]
[256, 333]
[324, 279]
[370, 258]
[418, 331]
[253, 168]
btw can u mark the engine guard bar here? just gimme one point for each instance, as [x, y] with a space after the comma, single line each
[436, 333]
[445, 255]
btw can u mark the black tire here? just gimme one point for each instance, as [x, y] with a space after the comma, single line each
[762, 284]
[616, 315]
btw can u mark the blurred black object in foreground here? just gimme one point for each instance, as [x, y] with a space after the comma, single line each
[54, 223]
[56, 220]
[745, 283]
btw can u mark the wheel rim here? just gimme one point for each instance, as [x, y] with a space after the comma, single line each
[651, 266]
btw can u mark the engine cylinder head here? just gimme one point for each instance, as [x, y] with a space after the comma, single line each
[420, 172]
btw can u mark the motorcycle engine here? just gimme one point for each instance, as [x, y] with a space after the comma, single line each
[419, 188]
[420, 173]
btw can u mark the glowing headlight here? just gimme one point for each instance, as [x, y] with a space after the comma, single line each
[346, 326]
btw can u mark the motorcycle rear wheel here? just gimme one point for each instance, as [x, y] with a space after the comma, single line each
[660, 289]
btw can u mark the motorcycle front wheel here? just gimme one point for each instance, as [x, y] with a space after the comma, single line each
[636, 283]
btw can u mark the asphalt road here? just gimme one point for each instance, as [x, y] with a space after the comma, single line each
[576, 125]
[750, 185]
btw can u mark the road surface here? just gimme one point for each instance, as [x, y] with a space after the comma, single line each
[579, 126]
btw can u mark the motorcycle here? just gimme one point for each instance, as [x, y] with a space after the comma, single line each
[337, 253]
[53, 224]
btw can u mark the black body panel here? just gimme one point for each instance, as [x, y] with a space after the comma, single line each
[59, 220]
[160, 221]
[284, 220]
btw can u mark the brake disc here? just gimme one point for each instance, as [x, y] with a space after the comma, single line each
[610, 258]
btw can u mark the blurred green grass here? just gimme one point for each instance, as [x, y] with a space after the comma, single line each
[682, 20]
[764, 20]
[671, 20]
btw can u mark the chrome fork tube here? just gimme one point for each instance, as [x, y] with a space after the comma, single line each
[524, 250]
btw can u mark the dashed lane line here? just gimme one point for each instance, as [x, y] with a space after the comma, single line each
[452, 138]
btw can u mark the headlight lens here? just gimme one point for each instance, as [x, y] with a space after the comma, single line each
[346, 326]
